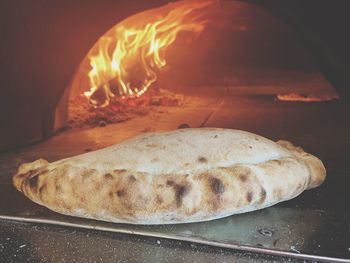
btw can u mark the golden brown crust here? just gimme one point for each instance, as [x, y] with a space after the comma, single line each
[170, 198]
[129, 196]
[317, 170]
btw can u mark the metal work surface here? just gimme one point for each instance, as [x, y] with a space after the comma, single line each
[28, 242]
[315, 225]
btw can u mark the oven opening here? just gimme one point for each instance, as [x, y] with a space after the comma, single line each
[183, 58]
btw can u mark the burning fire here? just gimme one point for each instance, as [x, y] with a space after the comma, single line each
[127, 60]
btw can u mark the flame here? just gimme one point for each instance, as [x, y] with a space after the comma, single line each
[128, 59]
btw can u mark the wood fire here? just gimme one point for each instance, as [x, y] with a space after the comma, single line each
[126, 60]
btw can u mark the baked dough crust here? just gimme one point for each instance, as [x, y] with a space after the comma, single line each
[182, 176]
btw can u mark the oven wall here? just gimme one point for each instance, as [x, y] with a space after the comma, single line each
[321, 27]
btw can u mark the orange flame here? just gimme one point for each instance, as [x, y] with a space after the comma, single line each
[129, 58]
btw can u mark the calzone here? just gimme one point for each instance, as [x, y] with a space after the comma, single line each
[181, 176]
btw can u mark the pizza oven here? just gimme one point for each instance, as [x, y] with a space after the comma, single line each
[81, 75]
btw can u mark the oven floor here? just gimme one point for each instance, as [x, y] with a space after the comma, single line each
[315, 225]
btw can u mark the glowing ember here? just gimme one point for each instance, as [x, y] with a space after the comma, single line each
[85, 115]
[128, 59]
[305, 98]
